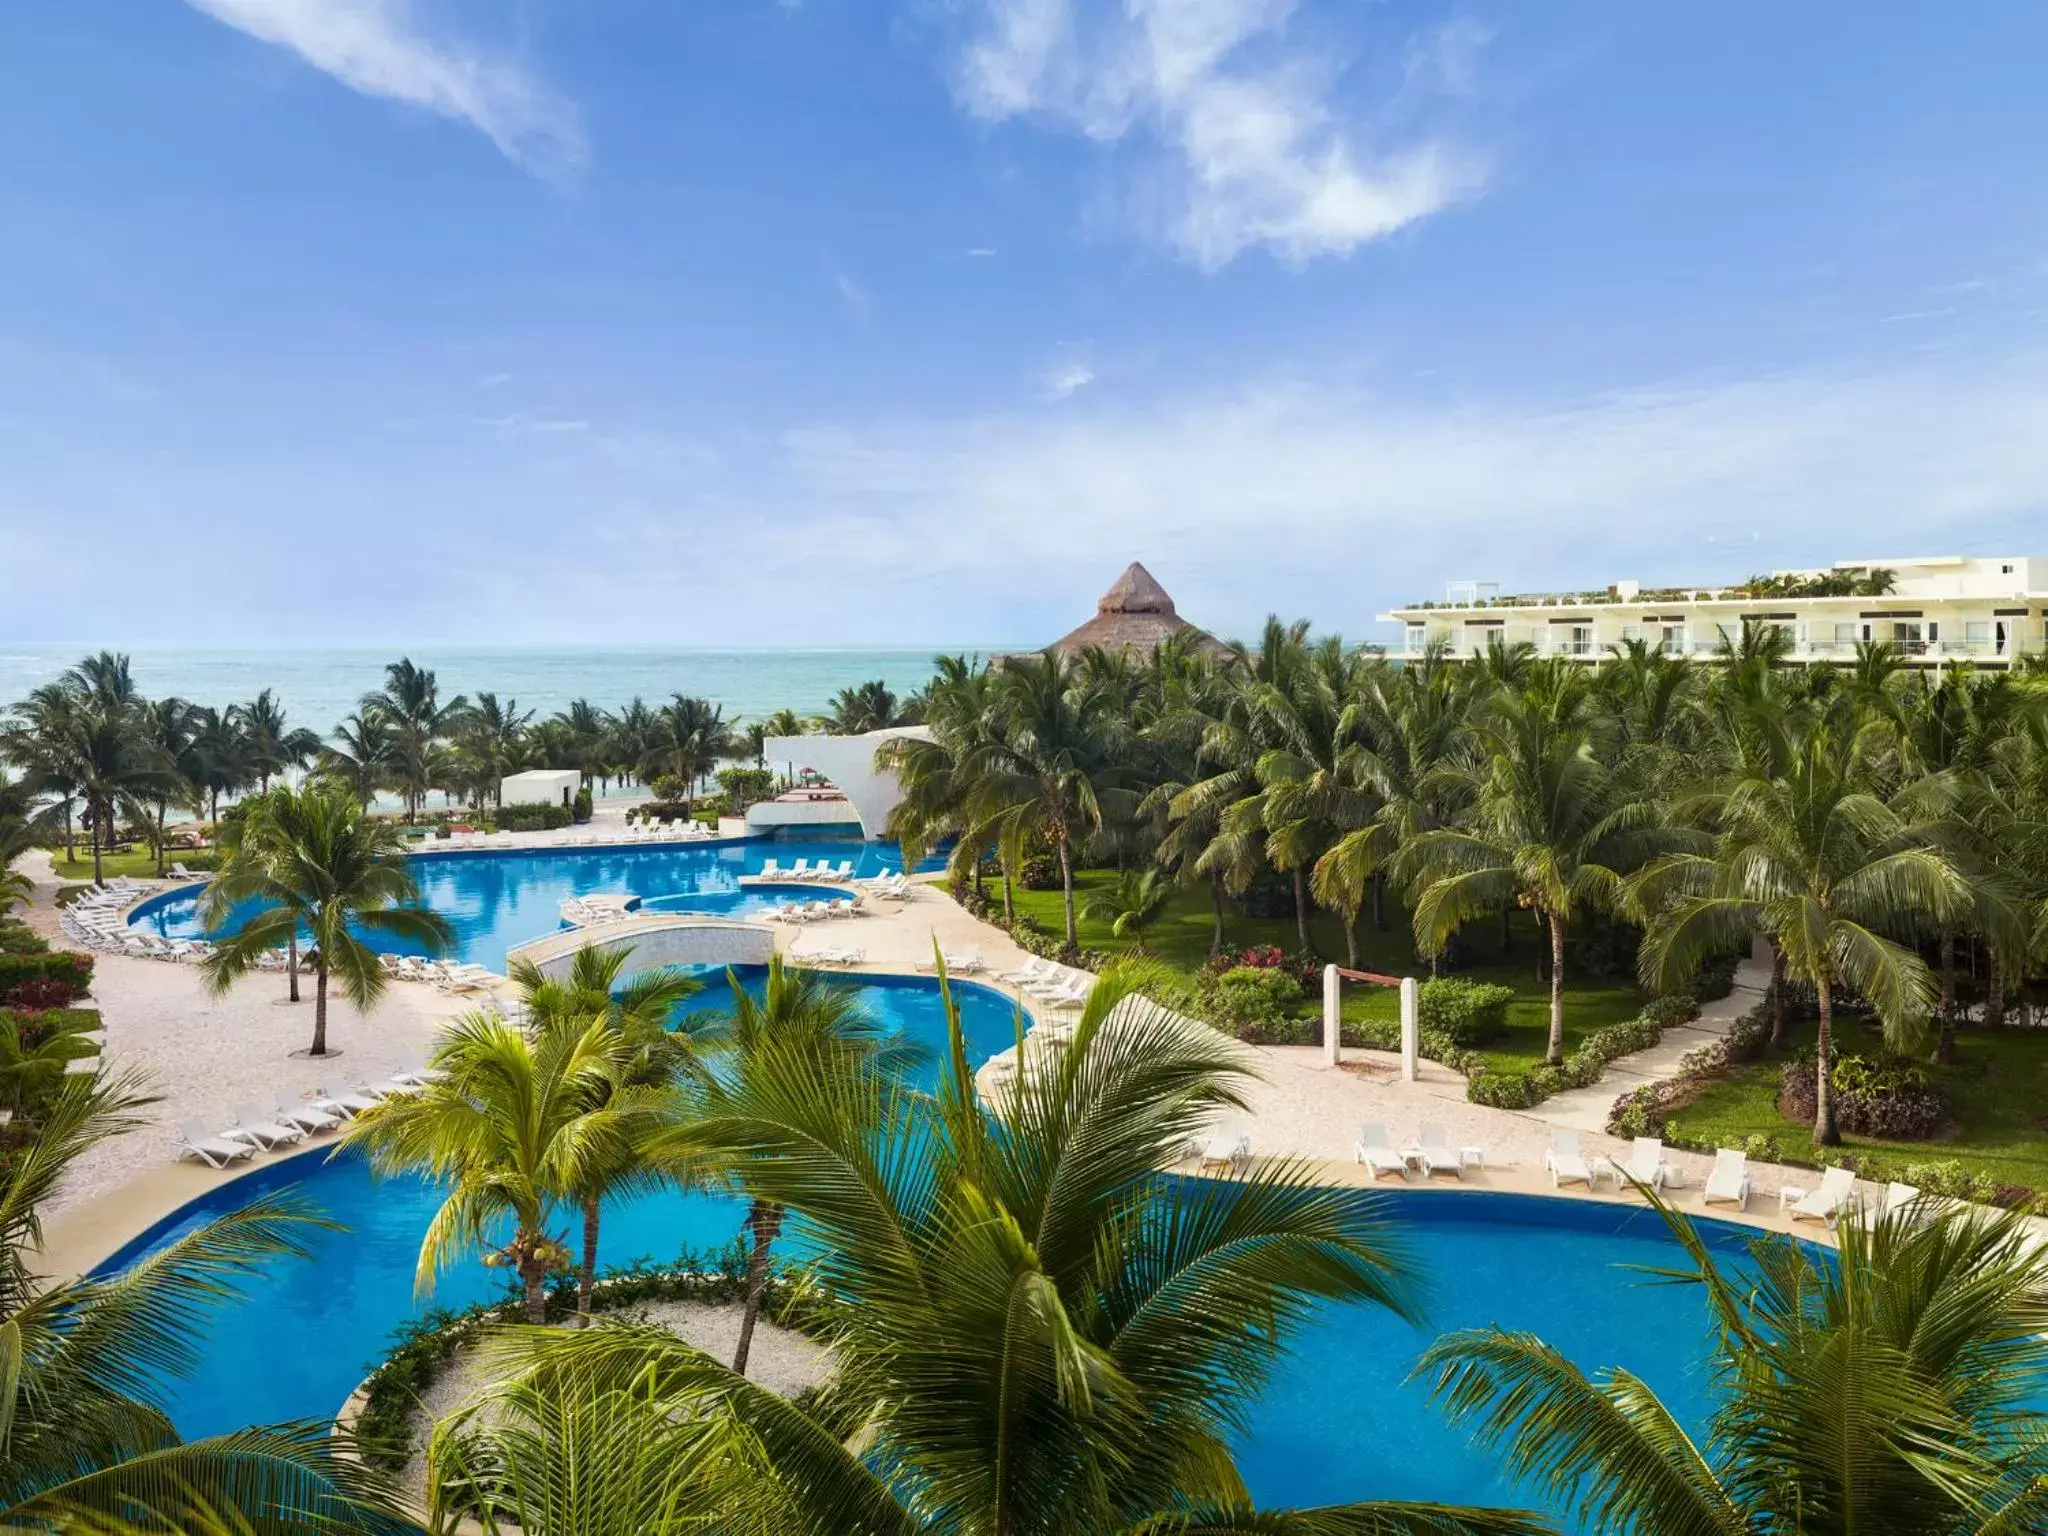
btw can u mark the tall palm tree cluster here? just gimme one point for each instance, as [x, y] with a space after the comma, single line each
[1878, 824]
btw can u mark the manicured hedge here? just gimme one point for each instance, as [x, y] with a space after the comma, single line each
[17, 938]
[70, 971]
[1467, 1012]
[539, 816]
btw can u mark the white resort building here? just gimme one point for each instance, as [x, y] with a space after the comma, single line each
[1934, 608]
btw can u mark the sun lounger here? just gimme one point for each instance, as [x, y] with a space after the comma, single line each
[770, 870]
[253, 1123]
[1565, 1164]
[1377, 1153]
[1826, 1204]
[800, 870]
[1729, 1181]
[1435, 1151]
[1228, 1150]
[214, 1151]
[342, 1101]
[1898, 1198]
[1033, 969]
[1645, 1162]
[304, 1116]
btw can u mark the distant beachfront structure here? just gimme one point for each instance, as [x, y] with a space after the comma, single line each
[1134, 615]
[1934, 608]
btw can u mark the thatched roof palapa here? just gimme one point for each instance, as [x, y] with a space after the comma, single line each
[1135, 614]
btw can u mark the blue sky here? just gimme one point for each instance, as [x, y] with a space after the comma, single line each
[909, 321]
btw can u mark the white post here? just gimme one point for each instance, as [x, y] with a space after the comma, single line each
[1333, 1015]
[1411, 1027]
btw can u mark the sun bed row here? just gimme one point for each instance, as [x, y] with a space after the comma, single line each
[1053, 984]
[812, 911]
[444, 974]
[260, 1126]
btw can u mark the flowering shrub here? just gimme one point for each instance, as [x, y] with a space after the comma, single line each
[1255, 1003]
[1883, 1096]
[1467, 1012]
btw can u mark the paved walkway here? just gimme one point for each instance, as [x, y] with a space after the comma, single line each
[1585, 1109]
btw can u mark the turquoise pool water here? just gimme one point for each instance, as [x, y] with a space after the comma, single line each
[498, 899]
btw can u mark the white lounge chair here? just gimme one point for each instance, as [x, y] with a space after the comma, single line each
[1075, 994]
[343, 1101]
[304, 1116]
[254, 1123]
[1033, 969]
[1837, 1191]
[770, 870]
[1377, 1153]
[844, 873]
[800, 870]
[1229, 1150]
[1645, 1162]
[1729, 1182]
[1897, 1198]
[1564, 1162]
[1435, 1151]
[214, 1151]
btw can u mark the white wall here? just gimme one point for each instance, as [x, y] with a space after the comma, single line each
[541, 786]
[672, 939]
[849, 762]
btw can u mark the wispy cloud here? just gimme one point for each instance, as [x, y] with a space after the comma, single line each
[381, 48]
[1062, 382]
[981, 251]
[1258, 151]
[856, 298]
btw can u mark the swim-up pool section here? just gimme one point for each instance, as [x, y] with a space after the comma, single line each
[498, 899]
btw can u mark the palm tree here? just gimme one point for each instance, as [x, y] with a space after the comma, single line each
[801, 1016]
[104, 683]
[362, 757]
[1811, 857]
[492, 734]
[1889, 1392]
[85, 1431]
[508, 1126]
[36, 737]
[116, 772]
[689, 737]
[1034, 1335]
[1051, 765]
[166, 728]
[220, 758]
[411, 700]
[1137, 901]
[324, 869]
[868, 707]
[1548, 829]
[271, 744]
[638, 1011]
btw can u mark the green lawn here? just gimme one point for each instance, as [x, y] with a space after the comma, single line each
[1181, 939]
[136, 863]
[1998, 1085]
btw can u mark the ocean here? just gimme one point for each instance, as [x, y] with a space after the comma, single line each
[318, 687]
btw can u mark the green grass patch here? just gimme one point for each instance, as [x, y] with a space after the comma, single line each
[1181, 938]
[132, 863]
[1998, 1085]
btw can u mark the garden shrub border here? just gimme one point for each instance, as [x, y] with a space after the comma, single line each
[1646, 1111]
[422, 1347]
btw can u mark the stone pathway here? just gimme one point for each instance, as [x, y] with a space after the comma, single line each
[1585, 1109]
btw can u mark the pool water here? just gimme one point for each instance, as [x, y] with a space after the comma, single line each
[495, 900]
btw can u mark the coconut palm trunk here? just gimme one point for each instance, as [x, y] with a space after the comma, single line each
[764, 1220]
[535, 1274]
[1778, 1009]
[1067, 894]
[1824, 1132]
[586, 1273]
[1945, 1043]
[1554, 1054]
[1994, 993]
[1301, 906]
[97, 877]
[319, 1007]
[1216, 909]
[291, 966]
[161, 812]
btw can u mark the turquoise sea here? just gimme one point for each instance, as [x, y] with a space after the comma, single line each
[319, 686]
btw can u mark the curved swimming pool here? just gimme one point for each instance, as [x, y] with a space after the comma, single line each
[498, 898]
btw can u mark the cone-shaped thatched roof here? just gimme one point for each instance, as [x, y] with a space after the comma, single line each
[1134, 614]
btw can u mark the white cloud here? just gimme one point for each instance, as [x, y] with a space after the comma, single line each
[1324, 501]
[1062, 382]
[379, 48]
[981, 251]
[852, 294]
[1259, 153]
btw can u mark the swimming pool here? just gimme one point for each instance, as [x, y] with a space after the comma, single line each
[1339, 1421]
[496, 899]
